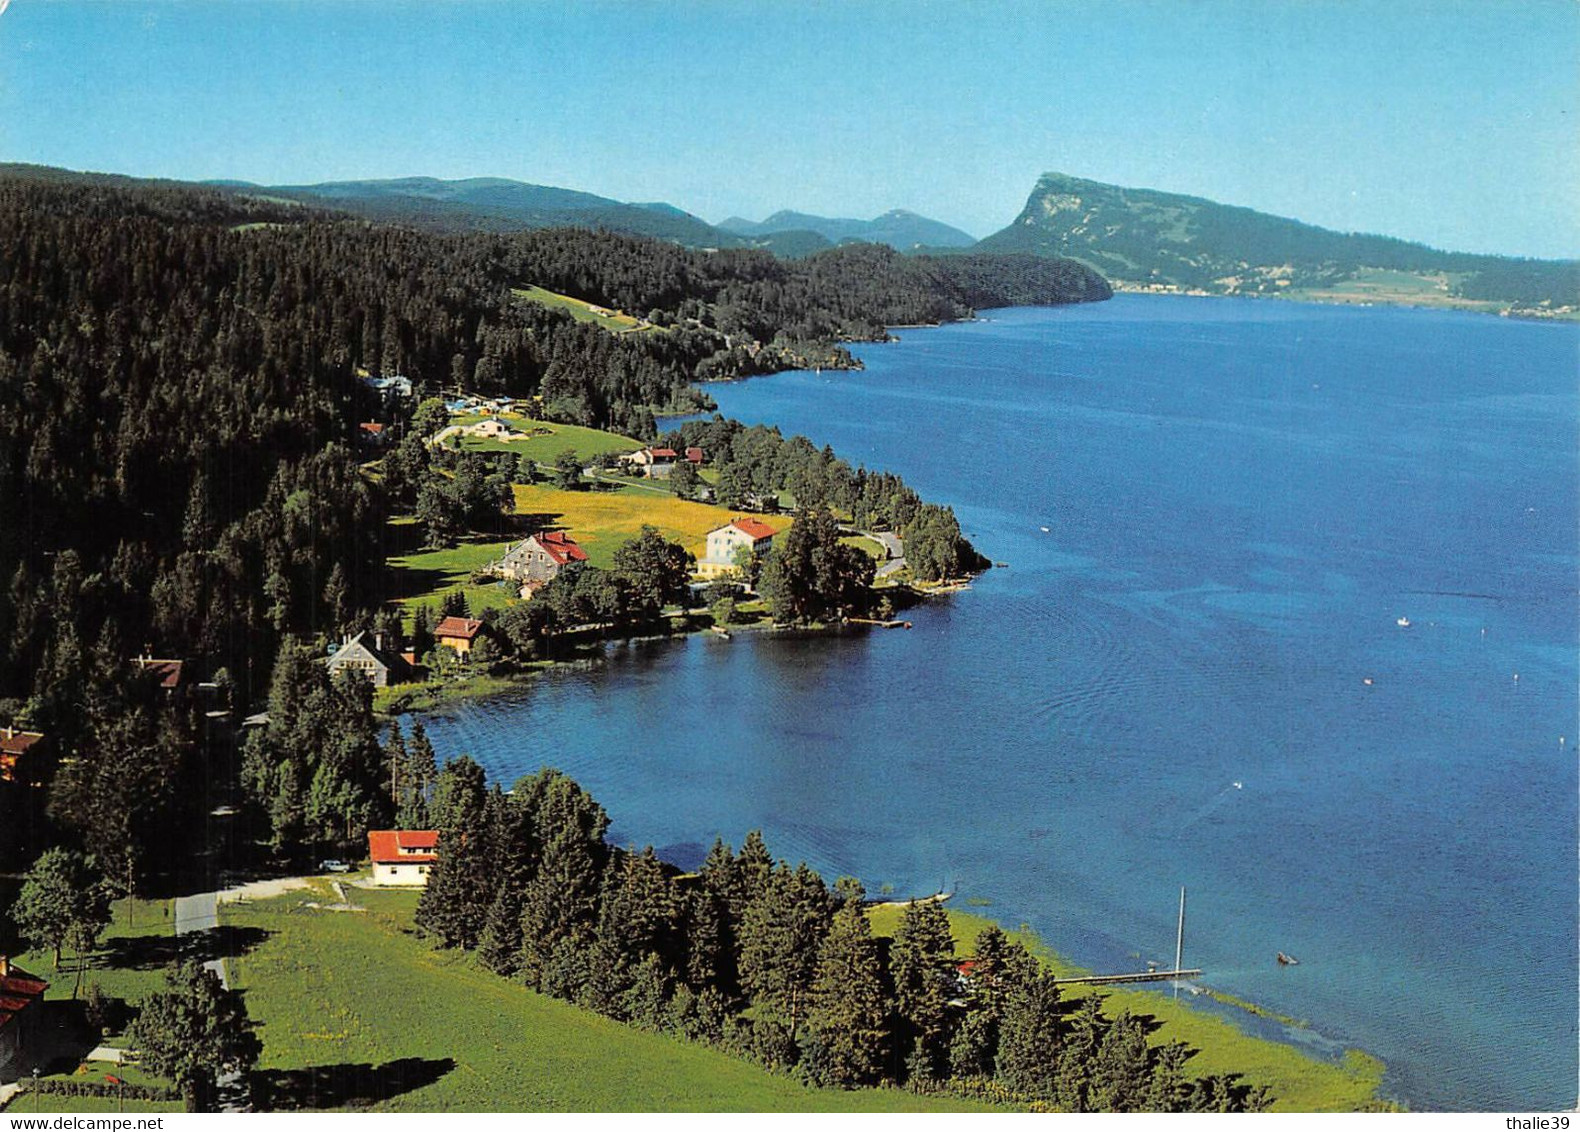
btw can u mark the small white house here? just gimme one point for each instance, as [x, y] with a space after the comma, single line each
[402, 857]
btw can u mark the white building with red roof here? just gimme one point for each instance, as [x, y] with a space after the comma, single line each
[402, 857]
[726, 542]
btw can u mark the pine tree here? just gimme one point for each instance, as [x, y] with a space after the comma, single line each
[753, 866]
[1121, 1074]
[848, 1016]
[1169, 1090]
[922, 961]
[460, 888]
[1082, 1038]
[559, 905]
[780, 935]
[1028, 1045]
[416, 780]
[396, 760]
[999, 968]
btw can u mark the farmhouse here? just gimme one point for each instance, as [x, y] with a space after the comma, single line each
[365, 653]
[535, 560]
[725, 542]
[14, 743]
[20, 1017]
[457, 633]
[402, 856]
[654, 463]
[167, 673]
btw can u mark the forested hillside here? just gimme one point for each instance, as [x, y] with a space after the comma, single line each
[1147, 237]
[180, 398]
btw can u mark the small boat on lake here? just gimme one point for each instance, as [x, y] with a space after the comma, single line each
[1287, 960]
[1403, 622]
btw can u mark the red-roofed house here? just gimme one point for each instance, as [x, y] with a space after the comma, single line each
[694, 456]
[166, 672]
[20, 1016]
[727, 541]
[372, 434]
[402, 856]
[535, 560]
[457, 633]
[14, 743]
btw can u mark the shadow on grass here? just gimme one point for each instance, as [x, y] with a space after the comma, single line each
[150, 952]
[345, 1085]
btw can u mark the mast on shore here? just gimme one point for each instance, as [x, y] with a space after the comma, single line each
[1179, 943]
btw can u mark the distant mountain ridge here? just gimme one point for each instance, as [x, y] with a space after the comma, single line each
[1144, 238]
[902, 230]
[499, 204]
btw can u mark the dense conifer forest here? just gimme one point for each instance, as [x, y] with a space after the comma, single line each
[769, 962]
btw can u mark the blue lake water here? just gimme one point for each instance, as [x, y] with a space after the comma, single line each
[1240, 499]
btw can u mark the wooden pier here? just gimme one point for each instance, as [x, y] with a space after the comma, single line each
[1133, 977]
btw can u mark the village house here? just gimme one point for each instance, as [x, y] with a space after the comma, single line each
[372, 434]
[21, 1017]
[14, 743]
[167, 673]
[365, 653]
[458, 634]
[654, 463]
[491, 428]
[535, 560]
[402, 856]
[725, 542]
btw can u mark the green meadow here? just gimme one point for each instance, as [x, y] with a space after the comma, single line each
[357, 1013]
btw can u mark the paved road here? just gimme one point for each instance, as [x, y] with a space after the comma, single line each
[200, 913]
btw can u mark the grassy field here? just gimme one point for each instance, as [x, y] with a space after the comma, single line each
[428, 575]
[872, 547]
[545, 440]
[598, 520]
[356, 1012]
[614, 321]
[1299, 1081]
[601, 520]
[129, 963]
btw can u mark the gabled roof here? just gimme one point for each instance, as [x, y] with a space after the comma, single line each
[385, 846]
[14, 742]
[463, 627]
[18, 991]
[694, 455]
[372, 427]
[662, 453]
[361, 645]
[559, 546]
[755, 529]
[168, 671]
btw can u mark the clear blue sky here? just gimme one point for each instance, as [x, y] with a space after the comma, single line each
[1451, 123]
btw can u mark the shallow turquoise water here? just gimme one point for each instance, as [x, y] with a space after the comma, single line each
[1240, 499]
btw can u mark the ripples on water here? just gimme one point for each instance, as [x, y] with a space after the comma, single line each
[1242, 498]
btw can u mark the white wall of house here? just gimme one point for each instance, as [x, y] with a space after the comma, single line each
[406, 874]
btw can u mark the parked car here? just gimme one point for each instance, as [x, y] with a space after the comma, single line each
[333, 866]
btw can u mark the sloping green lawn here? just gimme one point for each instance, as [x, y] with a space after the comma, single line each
[357, 1012]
